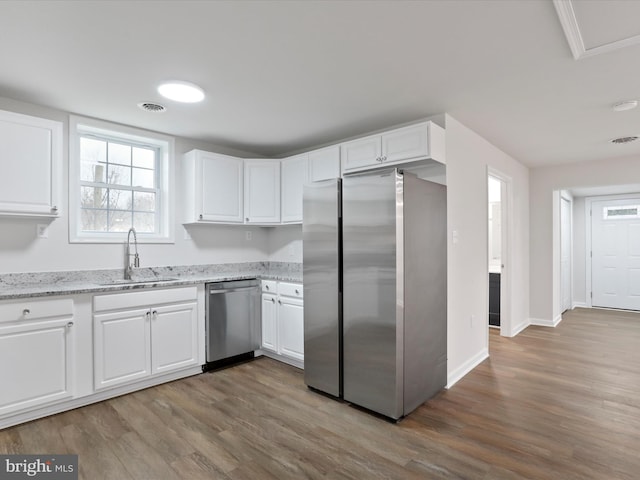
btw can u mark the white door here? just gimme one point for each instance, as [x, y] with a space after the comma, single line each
[174, 337]
[262, 191]
[565, 253]
[121, 347]
[269, 332]
[324, 163]
[222, 185]
[615, 247]
[291, 328]
[293, 178]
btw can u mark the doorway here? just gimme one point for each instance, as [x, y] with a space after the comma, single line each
[499, 260]
[566, 207]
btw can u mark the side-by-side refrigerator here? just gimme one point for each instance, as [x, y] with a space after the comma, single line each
[375, 289]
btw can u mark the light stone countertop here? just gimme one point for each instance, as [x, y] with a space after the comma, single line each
[27, 285]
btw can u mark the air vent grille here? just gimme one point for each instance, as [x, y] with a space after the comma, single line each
[624, 140]
[152, 107]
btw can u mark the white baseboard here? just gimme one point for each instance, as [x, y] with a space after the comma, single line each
[466, 367]
[281, 358]
[519, 328]
[579, 305]
[546, 323]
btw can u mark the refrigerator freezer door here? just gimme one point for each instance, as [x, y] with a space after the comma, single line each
[372, 296]
[321, 234]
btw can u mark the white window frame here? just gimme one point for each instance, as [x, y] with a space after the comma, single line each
[79, 126]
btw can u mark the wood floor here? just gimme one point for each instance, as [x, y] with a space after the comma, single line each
[559, 403]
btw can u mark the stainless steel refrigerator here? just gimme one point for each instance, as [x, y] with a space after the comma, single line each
[375, 289]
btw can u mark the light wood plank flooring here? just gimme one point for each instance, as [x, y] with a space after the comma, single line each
[559, 403]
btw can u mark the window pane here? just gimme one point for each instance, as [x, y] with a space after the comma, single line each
[144, 157]
[143, 178]
[120, 199]
[119, 153]
[93, 150]
[119, 221]
[93, 154]
[93, 197]
[119, 175]
[94, 220]
[145, 202]
[144, 222]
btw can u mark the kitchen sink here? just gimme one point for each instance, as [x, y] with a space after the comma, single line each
[145, 281]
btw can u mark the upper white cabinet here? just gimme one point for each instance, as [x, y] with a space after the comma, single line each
[424, 141]
[213, 187]
[324, 163]
[31, 161]
[262, 191]
[294, 174]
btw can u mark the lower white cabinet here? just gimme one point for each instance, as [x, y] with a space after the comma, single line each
[152, 338]
[283, 319]
[37, 340]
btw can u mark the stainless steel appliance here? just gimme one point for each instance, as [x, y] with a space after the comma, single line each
[387, 266]
[232, 319]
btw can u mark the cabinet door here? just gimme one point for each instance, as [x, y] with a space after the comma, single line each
[324, 164]
[360, 153]
[262, 191]
[269, 331]
[405, 144]
[294, 176]
[291, 328]
[31, 156]
[121, 347]
[174, 337]
[221, 183]
[36, 364]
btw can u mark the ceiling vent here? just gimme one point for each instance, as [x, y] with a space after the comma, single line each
[624, 140]
[152, 107]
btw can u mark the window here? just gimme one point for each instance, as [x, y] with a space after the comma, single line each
[119, 177]
[627, 211]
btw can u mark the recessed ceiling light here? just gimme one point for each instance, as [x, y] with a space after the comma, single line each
[184, 92]
[624, 140]
[626, 105]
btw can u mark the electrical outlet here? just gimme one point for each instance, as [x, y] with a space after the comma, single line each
[247, 235]
[42, 230]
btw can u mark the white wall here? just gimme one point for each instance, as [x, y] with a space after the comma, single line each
[543, 181]
[285, 244]
[22, 251]
[468, 158]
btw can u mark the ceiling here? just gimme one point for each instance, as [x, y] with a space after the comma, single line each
[282, 76]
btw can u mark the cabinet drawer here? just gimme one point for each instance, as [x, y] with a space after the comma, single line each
[290, 289]
[270, 286]
[28, 309]
[143, 298]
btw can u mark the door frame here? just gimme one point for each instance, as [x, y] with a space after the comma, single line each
[565, 196]
[588, 201]
[506, 254]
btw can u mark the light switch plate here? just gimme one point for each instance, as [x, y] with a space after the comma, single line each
[42, 230]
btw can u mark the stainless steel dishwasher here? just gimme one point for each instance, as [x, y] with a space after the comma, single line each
[233, 319]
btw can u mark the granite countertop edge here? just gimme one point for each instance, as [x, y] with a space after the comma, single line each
[32, 290]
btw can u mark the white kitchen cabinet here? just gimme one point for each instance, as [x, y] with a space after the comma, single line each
[262, 191]
[31, 159]
[424, 141]
[269, 329]
[283, 321]
[324, 163]
[140, 334]
[213, 188]
[37, 345]
[294, 174]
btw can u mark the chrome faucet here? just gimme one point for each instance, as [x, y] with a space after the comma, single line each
[136, 259]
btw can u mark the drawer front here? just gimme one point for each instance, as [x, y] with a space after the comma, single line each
[270, 286]
[143, 298]
[28, 309]
[290, 289]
